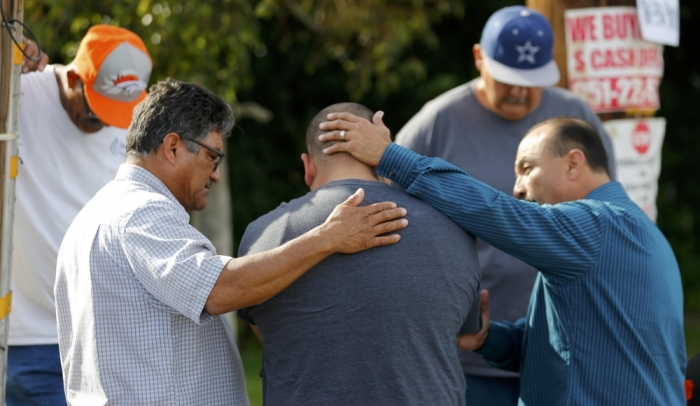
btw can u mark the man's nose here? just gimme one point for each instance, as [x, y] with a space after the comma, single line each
[215, 176]
[519, 91]
[519, 190]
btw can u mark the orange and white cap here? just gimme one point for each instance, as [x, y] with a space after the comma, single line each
[114, 66]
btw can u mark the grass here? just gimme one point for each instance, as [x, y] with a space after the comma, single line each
[251, 353]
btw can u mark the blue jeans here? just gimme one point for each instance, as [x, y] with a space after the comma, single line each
[34, 376]
[489, 391]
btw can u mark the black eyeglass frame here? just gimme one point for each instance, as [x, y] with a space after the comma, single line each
[212, 149]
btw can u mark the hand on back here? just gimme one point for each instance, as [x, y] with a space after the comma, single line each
[351, 229]
[472, 342]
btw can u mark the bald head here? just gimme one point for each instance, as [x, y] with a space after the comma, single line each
[316, 147]
[560, 160]
[567, 133]
[320, 168]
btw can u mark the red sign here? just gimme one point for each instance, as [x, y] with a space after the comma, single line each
[637, 144]
[641, 138]
[618, 93]
[609, 64]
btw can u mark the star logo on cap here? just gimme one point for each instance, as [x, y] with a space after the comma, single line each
[527, 52]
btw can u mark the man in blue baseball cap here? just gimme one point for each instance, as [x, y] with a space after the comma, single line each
[477, 126]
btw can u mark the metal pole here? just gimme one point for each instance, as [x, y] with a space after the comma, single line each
[10, 70]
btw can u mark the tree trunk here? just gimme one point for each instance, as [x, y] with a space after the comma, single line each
[216, 223]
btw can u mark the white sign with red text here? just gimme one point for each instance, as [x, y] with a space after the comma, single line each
[609, 64]
[637, 144]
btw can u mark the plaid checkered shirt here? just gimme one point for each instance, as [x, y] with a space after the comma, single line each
[132, 280]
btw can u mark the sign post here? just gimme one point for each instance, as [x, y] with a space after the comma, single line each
[10, 69]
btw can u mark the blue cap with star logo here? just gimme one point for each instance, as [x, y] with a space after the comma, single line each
[516, 45]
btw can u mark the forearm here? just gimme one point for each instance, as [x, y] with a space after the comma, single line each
[503, 346]
[253, 279]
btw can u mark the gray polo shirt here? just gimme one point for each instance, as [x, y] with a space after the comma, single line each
[373, 328]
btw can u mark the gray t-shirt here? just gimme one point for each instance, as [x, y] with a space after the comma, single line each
[457, 128]
[373, 328]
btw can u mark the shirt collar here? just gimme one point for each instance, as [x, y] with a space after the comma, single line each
[609, 192]
[134, 173]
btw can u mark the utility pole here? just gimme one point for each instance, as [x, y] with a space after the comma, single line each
[10, 69]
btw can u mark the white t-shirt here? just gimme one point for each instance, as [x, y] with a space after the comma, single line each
[61, 169]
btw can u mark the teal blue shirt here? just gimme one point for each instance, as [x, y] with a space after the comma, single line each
[605, 320]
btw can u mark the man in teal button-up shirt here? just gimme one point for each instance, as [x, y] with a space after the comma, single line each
[605, 321]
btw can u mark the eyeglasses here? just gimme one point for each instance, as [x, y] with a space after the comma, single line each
[91, 118]
[214, 150]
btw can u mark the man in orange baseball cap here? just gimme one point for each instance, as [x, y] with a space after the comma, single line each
[72, 124]
[114, 66]
[108, 76]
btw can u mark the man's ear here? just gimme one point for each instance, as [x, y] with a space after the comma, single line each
[576, 161]
[309, 169]
[478, 59]
[170, 147]
[72, 76]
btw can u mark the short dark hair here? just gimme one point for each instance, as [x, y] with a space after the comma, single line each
[569, 133]
[313, 145]
[173, 106]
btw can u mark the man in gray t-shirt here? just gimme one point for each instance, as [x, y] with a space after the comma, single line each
[477, 126]
[374, 328]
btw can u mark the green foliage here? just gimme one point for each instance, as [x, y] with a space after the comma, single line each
[251, 355]
[692, 336]
[209, 43]
[366, 37]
